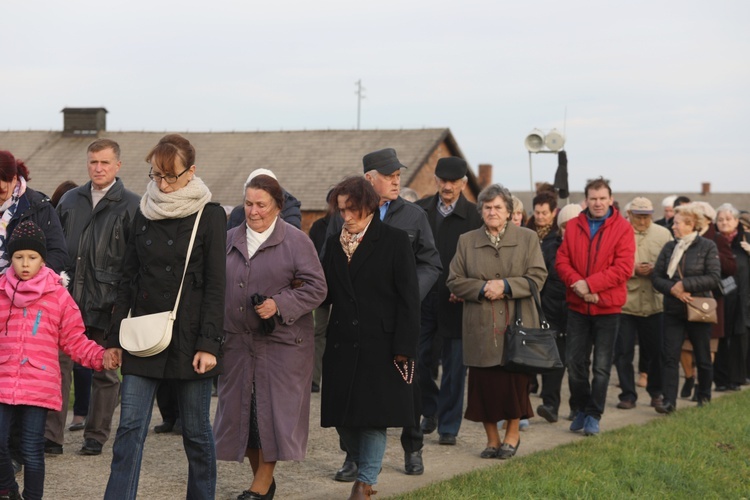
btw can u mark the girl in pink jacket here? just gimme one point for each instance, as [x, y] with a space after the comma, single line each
[37, 317]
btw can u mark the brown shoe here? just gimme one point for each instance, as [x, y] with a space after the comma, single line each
[626, 404]
[361, 491]
[657, 401]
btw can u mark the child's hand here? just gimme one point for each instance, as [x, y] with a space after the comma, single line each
[112, 358]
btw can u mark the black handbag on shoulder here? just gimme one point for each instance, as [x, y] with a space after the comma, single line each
[527, 349]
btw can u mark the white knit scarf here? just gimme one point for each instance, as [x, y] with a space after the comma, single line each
[156, 205]
[679, 250]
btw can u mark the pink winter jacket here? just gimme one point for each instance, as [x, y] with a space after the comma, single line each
[41, 318]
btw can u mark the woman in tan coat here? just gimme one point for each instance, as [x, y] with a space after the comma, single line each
[489, 274]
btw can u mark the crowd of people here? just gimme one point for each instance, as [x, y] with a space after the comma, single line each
[384, 308]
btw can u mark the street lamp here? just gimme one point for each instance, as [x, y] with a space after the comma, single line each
[538, 142]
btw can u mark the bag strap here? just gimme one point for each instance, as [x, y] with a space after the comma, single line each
[187, 259]
[535, 295]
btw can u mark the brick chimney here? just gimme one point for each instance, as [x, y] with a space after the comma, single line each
[705, 188]
[84, 121]
[484, 178]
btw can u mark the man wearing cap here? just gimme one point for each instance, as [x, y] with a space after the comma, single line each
[642, 313]
[450, 215]
[96, 220]
[383, 170]
[595, 260]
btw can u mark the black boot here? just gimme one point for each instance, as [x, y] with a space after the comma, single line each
[687, 389]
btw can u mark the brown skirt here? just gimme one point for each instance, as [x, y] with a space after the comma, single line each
[496, 394]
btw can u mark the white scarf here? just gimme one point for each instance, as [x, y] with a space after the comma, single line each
[156, 205]
[8, 210]
[679, 249]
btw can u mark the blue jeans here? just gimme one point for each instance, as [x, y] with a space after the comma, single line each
[32, 420]
[584, 333]
[366, 447]
[194, 397]
[647, 329]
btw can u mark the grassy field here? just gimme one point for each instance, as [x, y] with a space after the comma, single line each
[694, 453]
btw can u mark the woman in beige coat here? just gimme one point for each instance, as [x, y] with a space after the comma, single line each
[489, 274]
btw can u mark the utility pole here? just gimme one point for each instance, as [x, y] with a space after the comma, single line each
[360, 96]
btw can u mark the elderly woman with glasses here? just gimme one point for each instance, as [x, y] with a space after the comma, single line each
[155, 258]
[489, 273]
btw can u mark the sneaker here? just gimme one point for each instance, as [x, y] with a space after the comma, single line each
[590, 426]
[523, 424]
[578, 422]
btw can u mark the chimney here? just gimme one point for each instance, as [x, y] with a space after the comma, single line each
[484, 178]
[84, 121]
[705, 188]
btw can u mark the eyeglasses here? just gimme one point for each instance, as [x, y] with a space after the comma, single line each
[171, 178]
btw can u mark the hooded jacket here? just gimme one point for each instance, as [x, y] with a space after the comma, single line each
[605, 261]
[38, 317]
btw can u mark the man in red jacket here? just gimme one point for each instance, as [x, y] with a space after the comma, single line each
[595, 260]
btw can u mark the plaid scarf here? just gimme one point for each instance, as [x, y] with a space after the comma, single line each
[495, 240]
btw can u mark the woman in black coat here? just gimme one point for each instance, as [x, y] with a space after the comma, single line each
[685, 268]
[371, 345]
[152, 271]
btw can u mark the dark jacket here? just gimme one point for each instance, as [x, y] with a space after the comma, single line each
[375, 316]
[700, 269]
[462, 219]
[35, 206]
[151, 274]
[318, 231]
[553, 293]
[605, 261]
[290, 212]
[408, 217]
[96, 241]
[737, 303]
[728, 268]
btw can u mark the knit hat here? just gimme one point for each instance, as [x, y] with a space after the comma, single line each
[568, 212]
[28, 236]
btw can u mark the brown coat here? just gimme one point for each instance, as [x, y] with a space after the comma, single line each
[477, 261]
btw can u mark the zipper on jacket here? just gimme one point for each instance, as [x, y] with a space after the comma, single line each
[588, 261]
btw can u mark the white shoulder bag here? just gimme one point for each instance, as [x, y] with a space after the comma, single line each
[150, 334]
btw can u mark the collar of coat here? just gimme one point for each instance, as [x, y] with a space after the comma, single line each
[237, 238]
[113, 194]
[510, 239]
[460, 210]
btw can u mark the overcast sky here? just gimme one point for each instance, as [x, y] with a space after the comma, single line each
[657, 93]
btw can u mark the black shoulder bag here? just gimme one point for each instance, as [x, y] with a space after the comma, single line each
[530, 350]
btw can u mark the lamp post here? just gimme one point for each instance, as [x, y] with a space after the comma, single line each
[538, 142]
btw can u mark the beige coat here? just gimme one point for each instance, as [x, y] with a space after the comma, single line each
[477, 261]
[643, 300]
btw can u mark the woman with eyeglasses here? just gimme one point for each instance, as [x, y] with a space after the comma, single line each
[155, 257]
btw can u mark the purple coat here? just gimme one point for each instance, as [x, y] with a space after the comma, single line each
[280, 364]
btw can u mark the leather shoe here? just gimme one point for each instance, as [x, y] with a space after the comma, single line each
[77, 426]
[315, 387]
[52, 448]
[489, 452]
[657, 401]
[429, 424]
[626, 404]
[447, 439]
[547, 413]
[413, 463]
[90, 447]
[687, 388]
[507, 450]
[164, 427]
[665, 408]
[347, 473]
[252, 495]
[361, 491]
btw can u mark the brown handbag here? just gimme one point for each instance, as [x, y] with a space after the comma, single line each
[700, 309]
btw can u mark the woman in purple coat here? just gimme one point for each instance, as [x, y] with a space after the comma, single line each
[274, 282]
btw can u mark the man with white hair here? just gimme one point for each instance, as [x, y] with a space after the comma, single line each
[667, 204]
[290, 212]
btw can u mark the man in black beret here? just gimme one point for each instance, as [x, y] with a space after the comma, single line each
[450, 215]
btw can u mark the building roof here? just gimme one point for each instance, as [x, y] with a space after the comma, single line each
[307, 163]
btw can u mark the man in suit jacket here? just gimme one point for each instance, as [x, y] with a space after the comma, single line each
[450, 215]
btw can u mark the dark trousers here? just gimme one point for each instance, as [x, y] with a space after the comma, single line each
[427, 333]
[321, 315]
[552, 381]
[584, 333]
[699, 334]
[648, 332]
[167, 400]
[729, 364]
[82, 388]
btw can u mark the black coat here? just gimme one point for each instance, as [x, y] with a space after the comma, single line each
[701, 271]
[737, 303]
[152, 270]
[375, 316]
[96, 241]
[553, 293]
[462, 219]
[35, 206]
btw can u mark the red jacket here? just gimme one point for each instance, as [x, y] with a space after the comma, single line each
[605, 262]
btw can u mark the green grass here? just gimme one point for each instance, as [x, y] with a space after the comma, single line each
[694, 453]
